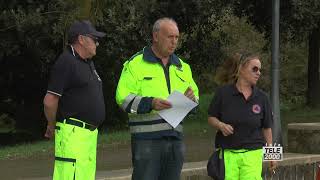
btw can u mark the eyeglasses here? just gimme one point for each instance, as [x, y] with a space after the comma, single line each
[255, 69]
[95, 39]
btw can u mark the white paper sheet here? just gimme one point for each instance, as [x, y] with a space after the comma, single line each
[181, 106]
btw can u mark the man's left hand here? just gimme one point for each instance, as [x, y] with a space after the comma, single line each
[189, 93]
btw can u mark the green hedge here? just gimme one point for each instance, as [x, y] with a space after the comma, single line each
[33, 34]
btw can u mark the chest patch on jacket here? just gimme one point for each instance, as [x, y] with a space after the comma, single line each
[256, 109]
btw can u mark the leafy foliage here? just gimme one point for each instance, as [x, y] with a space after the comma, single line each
[32, 35]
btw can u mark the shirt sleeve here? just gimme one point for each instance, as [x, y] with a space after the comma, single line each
[127, 92]
[59, 77]
[268, 114]
[215, 105]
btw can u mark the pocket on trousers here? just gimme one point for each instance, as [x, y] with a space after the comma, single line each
[64, 168]
[58, 139]
[64, 140]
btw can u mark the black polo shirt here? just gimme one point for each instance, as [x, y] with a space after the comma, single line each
[247, 117]
[79, 86]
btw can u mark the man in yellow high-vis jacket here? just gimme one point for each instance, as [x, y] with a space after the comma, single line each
[146, 81]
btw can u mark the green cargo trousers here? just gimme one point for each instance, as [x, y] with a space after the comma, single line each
[243, 164]
[75, 152]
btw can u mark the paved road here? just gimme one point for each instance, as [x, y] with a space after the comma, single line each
[109, 158]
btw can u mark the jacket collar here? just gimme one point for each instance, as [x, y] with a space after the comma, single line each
[149, 56]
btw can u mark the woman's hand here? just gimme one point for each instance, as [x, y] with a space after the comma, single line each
[273, 165]
[226, 129]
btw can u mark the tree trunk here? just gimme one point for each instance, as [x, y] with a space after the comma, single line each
[85, 8]
[313, 92]
[84, 13]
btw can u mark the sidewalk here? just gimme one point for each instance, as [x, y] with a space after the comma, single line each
[125, 174]
[109, 158]
[197, 170]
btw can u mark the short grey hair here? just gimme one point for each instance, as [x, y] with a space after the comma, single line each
[156, 25]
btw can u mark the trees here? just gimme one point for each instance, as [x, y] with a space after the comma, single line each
[313, 95]
[302, 20]
[25, 51]
[32, 35]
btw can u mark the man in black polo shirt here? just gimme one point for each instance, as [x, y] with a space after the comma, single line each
[74, 105]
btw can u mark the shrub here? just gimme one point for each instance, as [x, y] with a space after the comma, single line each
[228, 34]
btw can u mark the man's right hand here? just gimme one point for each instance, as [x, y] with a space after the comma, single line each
[50, 103]
[160, 104]
[50, 130]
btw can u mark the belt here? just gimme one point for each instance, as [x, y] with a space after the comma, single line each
[78, 123]
[169, 138]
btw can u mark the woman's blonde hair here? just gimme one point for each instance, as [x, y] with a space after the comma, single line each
[228, 72]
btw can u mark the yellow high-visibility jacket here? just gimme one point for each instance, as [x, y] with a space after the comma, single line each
[143, 78]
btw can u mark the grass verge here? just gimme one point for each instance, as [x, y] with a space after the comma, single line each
[195, 125]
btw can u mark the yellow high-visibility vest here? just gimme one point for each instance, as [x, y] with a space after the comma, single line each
[141, 77]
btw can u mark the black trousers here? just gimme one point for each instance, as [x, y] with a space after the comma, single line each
[157, 159]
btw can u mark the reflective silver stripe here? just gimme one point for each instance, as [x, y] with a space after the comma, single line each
[51, 92]
[154, 127]
[144, 117]
[135, 104]
[127, 100]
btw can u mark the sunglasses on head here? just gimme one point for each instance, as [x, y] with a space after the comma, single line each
[255, 69]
